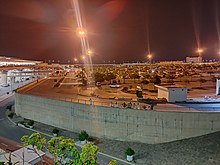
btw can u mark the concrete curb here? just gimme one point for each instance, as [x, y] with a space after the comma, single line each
[78, 145]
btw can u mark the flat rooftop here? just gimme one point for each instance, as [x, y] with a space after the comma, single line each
[69, 90]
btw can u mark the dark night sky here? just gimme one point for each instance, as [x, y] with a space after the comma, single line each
[117, 29]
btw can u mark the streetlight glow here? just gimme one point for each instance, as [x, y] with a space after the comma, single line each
[81, 32]
[89, 52]
[199, 51]
[149, 56]
[75, 59]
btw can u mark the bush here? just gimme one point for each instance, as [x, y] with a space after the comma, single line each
[90, 138]
[144, 82]
[83, 135]
[30, 122]
[164, 100]
[55, 131]
[129, 151]
[11, 115]
[9, 107]
[125, 89]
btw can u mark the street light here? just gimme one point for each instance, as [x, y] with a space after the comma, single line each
[75, 59]
[81, 32]
[150, 56]
[83, 57]
[89, 52]
[200, 51]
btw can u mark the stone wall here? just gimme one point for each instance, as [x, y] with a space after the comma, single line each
[117, 123]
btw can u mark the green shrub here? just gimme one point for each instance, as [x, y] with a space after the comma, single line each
[144, 82]
[30, 122]
[90, 138]
[55, 131]
[125, 89]
[129, 151]
[83, 135]
[11, 115]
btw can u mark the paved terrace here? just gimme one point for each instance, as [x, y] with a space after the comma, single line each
[92, 96]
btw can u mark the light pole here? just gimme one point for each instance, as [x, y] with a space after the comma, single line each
[200, 51]
[150, 56]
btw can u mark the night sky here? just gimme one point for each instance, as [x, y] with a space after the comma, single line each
[120, 30]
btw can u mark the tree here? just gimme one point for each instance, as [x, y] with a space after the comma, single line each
[202, 80]
[135, 76]
[155, 79]
[144, 82]
[35, 140]
[62, 148]
[99, 77]
[110, 76]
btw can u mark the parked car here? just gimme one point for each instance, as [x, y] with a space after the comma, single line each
[115, 86]
[98, 84]
[5, 85]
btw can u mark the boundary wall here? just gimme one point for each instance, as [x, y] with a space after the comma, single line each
[117, 123]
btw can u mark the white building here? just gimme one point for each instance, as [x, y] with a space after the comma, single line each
[193, 59]
[11, 61]
[172, 94]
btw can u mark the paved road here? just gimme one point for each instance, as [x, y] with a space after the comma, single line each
[7, 129]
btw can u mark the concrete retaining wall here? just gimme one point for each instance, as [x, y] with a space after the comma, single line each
[116, 123]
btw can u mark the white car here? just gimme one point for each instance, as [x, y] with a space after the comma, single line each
[115, 86]
[5, 85]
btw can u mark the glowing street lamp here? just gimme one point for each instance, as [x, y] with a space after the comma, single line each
[81, 32]
[75, 59]
[200, 51]
[150, 56]
[83, 57]
[89, 52]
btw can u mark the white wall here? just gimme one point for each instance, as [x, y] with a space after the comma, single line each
[163, 93]
[177, 94]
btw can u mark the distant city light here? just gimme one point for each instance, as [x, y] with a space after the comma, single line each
[83, 57]
[75, 59]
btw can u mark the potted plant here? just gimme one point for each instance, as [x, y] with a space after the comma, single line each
[130, 153]
[83, 136]
[55, 132]
[30, 123]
